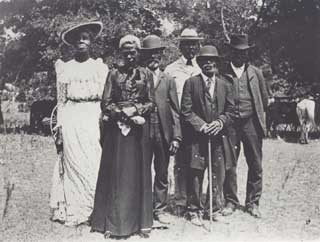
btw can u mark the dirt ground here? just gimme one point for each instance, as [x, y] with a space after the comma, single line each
[290, 204]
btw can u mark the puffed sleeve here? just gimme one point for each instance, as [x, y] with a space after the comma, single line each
[61, 88]
[102, 73]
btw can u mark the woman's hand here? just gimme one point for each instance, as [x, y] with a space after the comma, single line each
[59, 140]
[129, 111]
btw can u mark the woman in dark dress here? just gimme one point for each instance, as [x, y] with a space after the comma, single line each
[123, 200]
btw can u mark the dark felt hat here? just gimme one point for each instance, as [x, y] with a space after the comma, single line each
[239, 42]
[152, 42]
[208, 51]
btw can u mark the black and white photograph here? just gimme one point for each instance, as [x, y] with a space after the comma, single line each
[159, 120]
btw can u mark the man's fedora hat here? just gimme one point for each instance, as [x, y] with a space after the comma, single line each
[189, 34]
[239, 42]
[95, 27]
[208, 51]
[152, 42]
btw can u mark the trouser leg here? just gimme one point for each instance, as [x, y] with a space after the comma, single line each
[195, 179]
[180, 177]
[230, 187]
[161, 163]
[252, 145]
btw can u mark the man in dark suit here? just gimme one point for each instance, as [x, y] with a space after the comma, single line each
[251, 100]
[207, 107]
[164, 124]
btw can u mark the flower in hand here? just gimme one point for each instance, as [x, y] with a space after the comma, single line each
[129, 111]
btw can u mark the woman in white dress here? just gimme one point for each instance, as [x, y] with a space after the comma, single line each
[80, 83]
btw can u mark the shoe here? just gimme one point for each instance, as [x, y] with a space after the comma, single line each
[253, 210]
[180, 211]
[228, 209]
[144, 234]
[162, 218]
[218, 217]
[195, 219]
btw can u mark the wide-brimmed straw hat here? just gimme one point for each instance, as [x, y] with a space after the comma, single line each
[152, 42]
[189, 34]
[208, 51]
[95, 27]
[239, 42]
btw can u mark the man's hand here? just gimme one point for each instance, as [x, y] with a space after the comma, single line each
[129, 111]
[214, 128]
[174, 146]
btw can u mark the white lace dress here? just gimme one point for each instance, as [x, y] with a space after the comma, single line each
[79, 90]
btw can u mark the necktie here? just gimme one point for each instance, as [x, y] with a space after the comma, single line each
[209, 84]
[189, 62]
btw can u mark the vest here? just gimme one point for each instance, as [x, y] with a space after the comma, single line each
[211, 105]
[243, 98]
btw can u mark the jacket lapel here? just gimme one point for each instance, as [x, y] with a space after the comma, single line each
[219, 94]
[200, 94]
[249, 73]
[160, 77]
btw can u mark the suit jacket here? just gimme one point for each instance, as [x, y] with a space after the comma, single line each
[167, 103]
[195, 111]
[258, 89]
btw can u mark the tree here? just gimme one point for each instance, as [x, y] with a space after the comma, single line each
[42, 21]
[289, 32]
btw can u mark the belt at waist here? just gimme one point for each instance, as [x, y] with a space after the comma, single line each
[79, 100]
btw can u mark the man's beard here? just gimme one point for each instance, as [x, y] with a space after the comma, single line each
[153, 65]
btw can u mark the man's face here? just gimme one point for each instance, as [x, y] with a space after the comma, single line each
[239, 57]
[189, 48]
[82, 42]
[208, 65]
[130, 55]
[152, 58]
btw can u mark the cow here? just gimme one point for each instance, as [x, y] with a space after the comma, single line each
[308, 114]
[281, 112]
[40, 112]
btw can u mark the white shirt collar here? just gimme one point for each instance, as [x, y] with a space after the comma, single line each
[184, 60]
[155, 75]
[156, 72]
[238, 70]
[205, 78]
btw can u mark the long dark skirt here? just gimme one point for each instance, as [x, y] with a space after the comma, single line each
[123, 199]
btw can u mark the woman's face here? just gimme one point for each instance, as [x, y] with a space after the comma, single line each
[129, 54]
[83, 42]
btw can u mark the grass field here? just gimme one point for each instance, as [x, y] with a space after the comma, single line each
[290, 203]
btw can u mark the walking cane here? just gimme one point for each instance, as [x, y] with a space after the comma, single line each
[210, 181]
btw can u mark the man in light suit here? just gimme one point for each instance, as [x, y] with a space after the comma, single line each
[207, 109]
[251, 100]
[182, 69]
[165, 128]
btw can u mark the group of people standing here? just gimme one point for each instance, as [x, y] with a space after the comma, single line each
[113, 124]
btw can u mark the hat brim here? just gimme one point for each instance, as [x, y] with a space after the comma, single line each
[239, 47]
[211, 56]
[94, 27]
[190, 38]
[155, 48]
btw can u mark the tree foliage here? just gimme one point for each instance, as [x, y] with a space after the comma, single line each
[286, 32]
